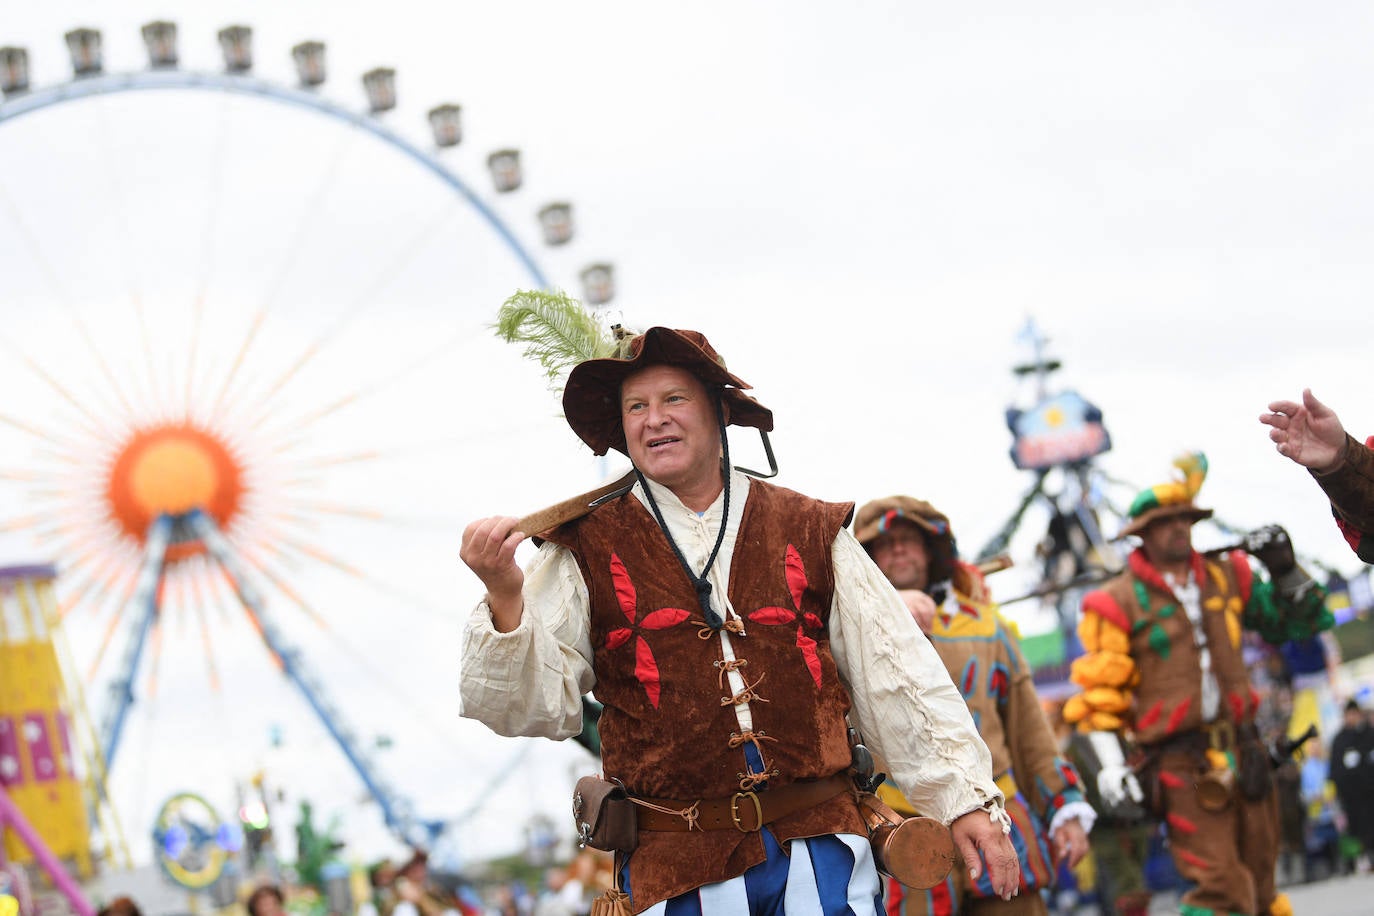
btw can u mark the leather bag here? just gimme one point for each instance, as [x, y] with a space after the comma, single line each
[604, 815]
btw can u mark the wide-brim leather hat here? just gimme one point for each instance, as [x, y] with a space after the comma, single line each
[1145, 519]
[877, 517]
[591, 397]
[1170, 499]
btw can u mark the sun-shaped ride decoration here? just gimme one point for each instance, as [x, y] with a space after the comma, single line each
[171, 469]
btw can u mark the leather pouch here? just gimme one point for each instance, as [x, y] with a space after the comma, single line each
[604, 815]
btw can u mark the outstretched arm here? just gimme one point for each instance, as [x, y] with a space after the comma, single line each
[1309, 433]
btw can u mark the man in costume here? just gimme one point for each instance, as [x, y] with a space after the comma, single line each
[911, 542]
[728, 627]
[1310, 434]
[1163, 665]
[1352, 771]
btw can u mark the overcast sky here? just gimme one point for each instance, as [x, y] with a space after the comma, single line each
[860, 205]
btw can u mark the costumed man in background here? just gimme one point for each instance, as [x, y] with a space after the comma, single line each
[911, 542]
[1310, 434]
[1163, 666]
[728, 626]
[1352, 771]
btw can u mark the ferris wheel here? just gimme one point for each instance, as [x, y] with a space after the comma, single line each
[247, 376]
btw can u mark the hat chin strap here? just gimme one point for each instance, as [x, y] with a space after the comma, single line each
[767, 451]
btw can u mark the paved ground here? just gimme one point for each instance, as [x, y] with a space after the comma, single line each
[1352, 895]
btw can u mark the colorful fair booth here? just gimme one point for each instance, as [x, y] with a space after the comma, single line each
[43, 819]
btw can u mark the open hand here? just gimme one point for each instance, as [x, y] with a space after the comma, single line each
[1309, 433]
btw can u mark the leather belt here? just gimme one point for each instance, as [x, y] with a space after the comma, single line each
[743, 811]
[1221, 735]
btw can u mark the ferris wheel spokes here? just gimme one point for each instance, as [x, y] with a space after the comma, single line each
[397, 811]
[144, 607]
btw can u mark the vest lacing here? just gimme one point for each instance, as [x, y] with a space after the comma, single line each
[726, 667]
[747, 695]
[706, 631]
[749, 779]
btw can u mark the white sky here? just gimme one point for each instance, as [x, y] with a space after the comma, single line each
[860, 209]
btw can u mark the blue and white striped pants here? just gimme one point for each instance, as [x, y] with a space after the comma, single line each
[824, 876]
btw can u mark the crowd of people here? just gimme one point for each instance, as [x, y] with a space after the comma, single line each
[758, 661]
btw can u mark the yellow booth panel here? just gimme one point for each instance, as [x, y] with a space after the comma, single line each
[37, 763]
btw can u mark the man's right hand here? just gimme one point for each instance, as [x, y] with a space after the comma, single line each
[488, 549]
[1309, 433]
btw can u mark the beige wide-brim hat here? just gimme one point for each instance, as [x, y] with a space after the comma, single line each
[591, 397]
[877, 517]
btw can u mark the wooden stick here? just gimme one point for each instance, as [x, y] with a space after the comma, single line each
[549, 518]
[995, 564]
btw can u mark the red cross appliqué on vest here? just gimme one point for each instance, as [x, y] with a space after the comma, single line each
[646, 669]
[795, 574]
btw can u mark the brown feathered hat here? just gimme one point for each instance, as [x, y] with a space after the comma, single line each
[591, 398]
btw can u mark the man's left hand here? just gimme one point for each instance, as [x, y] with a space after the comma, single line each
[980, 839]
[1070, 843]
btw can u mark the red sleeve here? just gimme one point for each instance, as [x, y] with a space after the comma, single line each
[1245, 576]
[1105, 606]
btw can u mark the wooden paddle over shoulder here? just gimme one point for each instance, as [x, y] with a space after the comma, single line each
[549, 518]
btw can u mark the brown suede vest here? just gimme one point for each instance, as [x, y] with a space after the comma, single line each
[1168, 700]
[669, 728]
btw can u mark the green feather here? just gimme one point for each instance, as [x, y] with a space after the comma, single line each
[556, 330]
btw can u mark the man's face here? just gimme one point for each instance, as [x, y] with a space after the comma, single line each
[670, 427]
[1169, 539]
[901, 553]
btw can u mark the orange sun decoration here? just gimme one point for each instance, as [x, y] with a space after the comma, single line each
[170, 470]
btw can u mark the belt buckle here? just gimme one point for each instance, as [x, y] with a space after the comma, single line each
[1221, 735]
[735, 810]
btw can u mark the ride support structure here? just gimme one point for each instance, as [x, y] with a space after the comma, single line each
[200, 527]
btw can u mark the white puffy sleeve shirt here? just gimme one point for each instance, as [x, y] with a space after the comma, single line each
[530, 681]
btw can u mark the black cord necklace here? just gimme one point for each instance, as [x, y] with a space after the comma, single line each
[699, 582]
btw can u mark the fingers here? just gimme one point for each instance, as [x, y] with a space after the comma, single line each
[1004, 870]
[999, 857]
[1309, 400]
[969, 850]
[1061, 848]
[1287, 408]
[489, 545]
[1077, 851]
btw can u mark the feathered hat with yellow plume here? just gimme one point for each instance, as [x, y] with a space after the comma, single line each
[1169, 499]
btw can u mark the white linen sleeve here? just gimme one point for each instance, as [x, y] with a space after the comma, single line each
[530, 681]
[904, 704]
